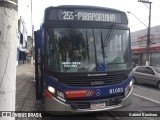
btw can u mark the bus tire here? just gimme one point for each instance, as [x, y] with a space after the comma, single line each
[134, 80]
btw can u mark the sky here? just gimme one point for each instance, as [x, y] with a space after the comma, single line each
[140, 10]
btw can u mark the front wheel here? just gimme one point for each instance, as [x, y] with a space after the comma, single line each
[134, 80]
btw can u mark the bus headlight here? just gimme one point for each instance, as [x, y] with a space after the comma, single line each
[51, 89]
[128, 88]
[56, 93]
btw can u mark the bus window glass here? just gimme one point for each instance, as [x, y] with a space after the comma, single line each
[81, 49]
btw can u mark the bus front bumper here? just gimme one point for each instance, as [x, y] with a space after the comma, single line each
[55, 106]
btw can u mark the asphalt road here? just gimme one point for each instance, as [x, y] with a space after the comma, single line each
[145, 98]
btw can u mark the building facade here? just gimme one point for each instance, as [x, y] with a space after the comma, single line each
[22, 42]
[139, 46]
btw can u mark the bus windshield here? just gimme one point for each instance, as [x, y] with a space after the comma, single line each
[81, 49]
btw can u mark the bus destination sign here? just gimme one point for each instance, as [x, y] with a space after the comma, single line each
[85, 15]
[88, 16]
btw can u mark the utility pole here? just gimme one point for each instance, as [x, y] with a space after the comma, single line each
[148, 34]
[8, 50]
[32, 28]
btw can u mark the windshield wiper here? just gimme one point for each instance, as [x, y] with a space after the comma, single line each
[109, 36]
[74, 27]
[86, 43]
[106, 41]
[102, 46]
[78, 32]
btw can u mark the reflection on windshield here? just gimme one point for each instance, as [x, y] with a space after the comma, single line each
[71, 50]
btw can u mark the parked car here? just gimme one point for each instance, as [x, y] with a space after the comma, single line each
[146, 74]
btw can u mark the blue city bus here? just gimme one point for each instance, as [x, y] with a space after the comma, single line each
[83, 59]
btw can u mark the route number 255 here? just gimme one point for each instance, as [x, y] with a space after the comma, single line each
[68, 15]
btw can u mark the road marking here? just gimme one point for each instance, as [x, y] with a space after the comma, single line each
[148, 118]
[154, 101]
[146, 89]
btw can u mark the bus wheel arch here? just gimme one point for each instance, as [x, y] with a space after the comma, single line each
[134, 80]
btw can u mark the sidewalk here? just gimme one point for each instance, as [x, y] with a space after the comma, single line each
[25, 88]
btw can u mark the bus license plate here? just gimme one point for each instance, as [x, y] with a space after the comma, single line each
[98, 105]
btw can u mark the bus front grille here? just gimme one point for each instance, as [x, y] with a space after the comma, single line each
[94, 81]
